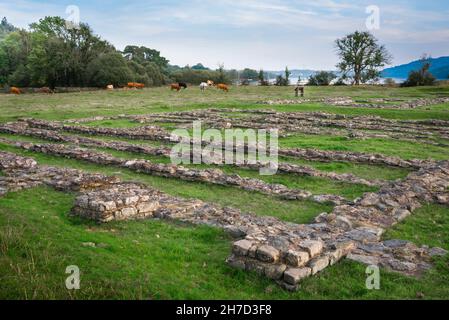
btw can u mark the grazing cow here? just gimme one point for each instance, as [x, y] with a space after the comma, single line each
[45, 90]
[203, 86]
[175, 86]
[14, 90]
[135, 85]
[210, 83]
[110, 87]
[222, 86]
[182, 85]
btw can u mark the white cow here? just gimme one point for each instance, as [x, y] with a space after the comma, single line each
[203, 86]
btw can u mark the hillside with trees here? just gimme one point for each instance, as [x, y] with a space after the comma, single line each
[52, 54]
[439, 68]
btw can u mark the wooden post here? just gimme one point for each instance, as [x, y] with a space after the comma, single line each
[298, 89]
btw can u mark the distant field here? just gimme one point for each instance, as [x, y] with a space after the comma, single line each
[86, 104]
[168, 260]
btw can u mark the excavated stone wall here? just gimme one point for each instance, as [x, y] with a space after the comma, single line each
[23, 173]
[281, 251]
[213, 176]
[353, 229]
[310, 123]
[21, 128]
[26, 128]
[375, 103]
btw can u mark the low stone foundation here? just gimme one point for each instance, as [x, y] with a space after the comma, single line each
[285, 252]
[375, 103]
[121, 202]
[22, 128]
[318, 123]
[354, 157]
[213, 176]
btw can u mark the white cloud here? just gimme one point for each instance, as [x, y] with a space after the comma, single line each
[248, 32]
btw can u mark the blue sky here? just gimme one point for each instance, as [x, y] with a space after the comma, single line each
[267, 34]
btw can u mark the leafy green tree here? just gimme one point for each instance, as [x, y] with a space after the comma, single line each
[157, 77]
[221, 75]
[261, 76]
[421, 77]
[199, 66]
[389, 82]
[67, 51]
[361, 57]
[248, 74]
[14, 51]
[322, 78]
[287, 75]
[6, 28]
[109, 68]
[281, 81]
[144, 54]
[262, 80]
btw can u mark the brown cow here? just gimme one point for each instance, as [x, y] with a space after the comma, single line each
[135, 85]
[223, 87]
[14, 90]
[175, 86]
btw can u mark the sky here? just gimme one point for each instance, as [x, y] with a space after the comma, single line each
[268, 34]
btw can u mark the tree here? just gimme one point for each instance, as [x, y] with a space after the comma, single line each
[144, 54]
[261, 78]
[6, 28]
[281, 81]
[108, 68]
[248, 74]
[222, 77]
[66, 51]
[287, 75]
[14, 52]
[389, 82]
[199, 66]
[322, 78]
[361, 57]
[421, 77]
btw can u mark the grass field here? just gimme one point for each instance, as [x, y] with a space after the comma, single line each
[163, 260]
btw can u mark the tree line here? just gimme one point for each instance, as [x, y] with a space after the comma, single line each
[54, 53]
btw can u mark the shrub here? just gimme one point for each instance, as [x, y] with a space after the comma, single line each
[421, 77]
[389, 82]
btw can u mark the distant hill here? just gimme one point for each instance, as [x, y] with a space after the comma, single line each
[439, 68]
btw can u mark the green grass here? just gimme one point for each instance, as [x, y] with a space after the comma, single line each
[361, 170]
[156, 260]
[313, 184]
[104, 103]
[250, 202]
[390, 147]
[432, 220]
[121, 123]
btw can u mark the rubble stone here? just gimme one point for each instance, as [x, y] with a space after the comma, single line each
[294, 275]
